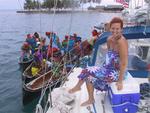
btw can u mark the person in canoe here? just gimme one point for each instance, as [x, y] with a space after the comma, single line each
[54, 47]
[114, 68]
[43, 47]
[32, 41]
[85, 48]
[26, 54]
[65, 43]
[40, 65]
[36, 36]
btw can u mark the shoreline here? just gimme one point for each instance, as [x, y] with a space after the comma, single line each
[68, 11]
[49, 11]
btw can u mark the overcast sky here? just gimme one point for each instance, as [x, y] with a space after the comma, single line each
[11, 4]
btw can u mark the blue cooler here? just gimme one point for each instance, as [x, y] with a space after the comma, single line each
[125, 100]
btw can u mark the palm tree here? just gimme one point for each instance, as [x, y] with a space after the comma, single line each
[28, 4]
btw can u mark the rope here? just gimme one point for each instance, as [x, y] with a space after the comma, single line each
[20, 5]
[138, 3]
[71, 19]
[61, 78]
[46, 107]
[66, 56]
[53, 20]
[144, 106]
[70, 26]
[95, 111]
[39, 109]
[44, 89]
[38, 106]
[40, 17]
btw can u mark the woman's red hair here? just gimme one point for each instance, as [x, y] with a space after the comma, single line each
[117, 20]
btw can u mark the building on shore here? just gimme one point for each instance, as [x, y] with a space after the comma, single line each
[104, 5]
[95, 1]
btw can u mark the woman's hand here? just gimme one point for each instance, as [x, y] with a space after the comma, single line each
[117, 36]
[119, 85]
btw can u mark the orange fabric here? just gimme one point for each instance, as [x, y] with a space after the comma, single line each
[52, 51]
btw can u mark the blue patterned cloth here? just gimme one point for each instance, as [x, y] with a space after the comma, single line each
[102, 76]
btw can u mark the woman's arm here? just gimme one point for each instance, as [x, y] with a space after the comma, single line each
[108, 42]
[123, 54]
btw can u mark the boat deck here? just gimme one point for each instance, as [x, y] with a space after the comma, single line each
[82, 95]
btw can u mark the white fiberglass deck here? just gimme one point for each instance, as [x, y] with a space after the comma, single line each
[81, 96]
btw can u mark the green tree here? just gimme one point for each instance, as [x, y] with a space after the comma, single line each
[36, 4]
[28, 4]
[48, 4]
[66, 3]
[60, 3]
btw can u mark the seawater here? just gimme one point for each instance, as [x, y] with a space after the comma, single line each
[13, 29]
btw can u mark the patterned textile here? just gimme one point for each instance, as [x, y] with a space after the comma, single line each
[102, 76]
[38, 57]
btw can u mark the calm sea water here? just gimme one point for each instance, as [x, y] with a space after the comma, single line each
[14, 27]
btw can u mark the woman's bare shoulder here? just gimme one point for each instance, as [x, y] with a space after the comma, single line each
[122, 40]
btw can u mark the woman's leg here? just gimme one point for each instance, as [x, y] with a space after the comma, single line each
[90, 90]
[77, 87]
